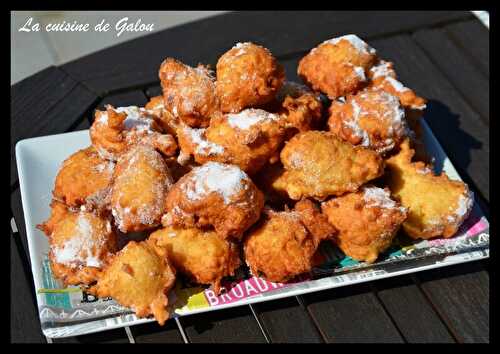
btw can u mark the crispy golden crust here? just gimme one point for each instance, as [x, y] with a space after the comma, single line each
[319, 164]
[382, 76]
[84, 179]
[141, 183]
[337, 67]
[367, 220]
[164, 118]
[282, 246]
[188, 93]
[217, 195]
[437, 205]
[138, 278]
[80, 243]
[201, 255]
[116, 130]
[248, 139]
[247, 76]
[372, 118]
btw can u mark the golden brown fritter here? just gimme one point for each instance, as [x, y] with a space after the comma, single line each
[247, 76]
[301, 109]
[319, 164]
[437, 205]
[80, 242]
[116, 130]
[372, 118]
[84, 179]
[200, 254]
[337, 66]
[283, 245]
[217, 195]
[188, 93]
[367, 221]
[248, 139]
[141, 182]
[138, 278]
[156, 108]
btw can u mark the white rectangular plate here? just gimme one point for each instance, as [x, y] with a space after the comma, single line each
[70, 312]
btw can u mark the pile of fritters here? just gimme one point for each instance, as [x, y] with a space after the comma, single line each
[241, 167]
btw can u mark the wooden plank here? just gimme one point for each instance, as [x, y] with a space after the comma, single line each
[24, 320]
[112, 336]
[123, 99]
[460, 294]
[136, 62]
[286, 321]
[451, 119]
[49, 103]
[154, 333]
[458, 69]
[233, 325]
[351, 314]
[473, 38]
[411, 312]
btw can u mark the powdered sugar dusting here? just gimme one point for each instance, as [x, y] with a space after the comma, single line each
[383, 69]
[353, 124]
[136, 119]
[81, 247]
[226, 180]
[378, 197]
[203, 146]
[465, 203]
[356, 42]
[360, 73]
[249, 117]
[398, 86]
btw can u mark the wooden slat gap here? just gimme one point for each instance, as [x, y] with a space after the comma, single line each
[442, 316]
[261, 326]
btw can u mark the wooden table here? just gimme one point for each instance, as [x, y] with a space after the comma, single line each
[444, 56]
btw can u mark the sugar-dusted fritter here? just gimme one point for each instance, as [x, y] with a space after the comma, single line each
[139, 278]
[301, 108]
[141, 182]
[284, 243]
[156, 108]
[371, 118]
[84, 179]
[437, 205]
[319, 164]
[338, 66]
[200, 254]
[367, 221]
[218, 195]
[116, 130]
[248, 75]
[188, 93]
[80, 242]
[248, 139]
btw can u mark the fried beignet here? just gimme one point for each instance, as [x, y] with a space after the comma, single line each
[437, 205]
[188, 93]
[248, 139]
[301, 108]
[116, 130]
[372, 118]
[337, 66]
[367, 221]
[156, 108]
[215, 194]
[80, 242]
[84, 179]
[201, 255]
[283, 245]
[247, 76]
[141, 182]
[139, 278]
[319, 164]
